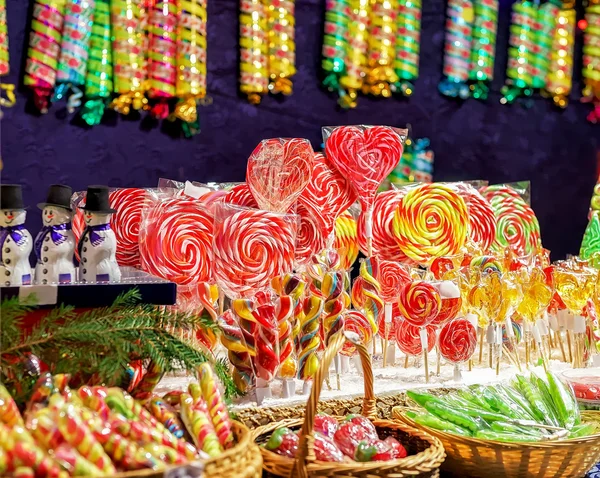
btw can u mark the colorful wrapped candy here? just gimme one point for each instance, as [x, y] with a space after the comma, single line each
[284, 442]
[4, 63]
[382, 49]
[144, 389]
[408, 39]
[74, 51]
[191, 61]
[216, 406]
[591, 59]
[128, 19]
[559, 80]
[9, 413]
[457, 49]
[44, 50]
[544, 36]
[254, 67]
[99, 75]
[483, 50]
[199, 425]
[335, 43]
[282, 47]
[309, 338]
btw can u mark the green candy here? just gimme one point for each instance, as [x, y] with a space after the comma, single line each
[504, 437]
[544, 390]
[455, 416]
[422, 398]
[431, 421]
[535, 400]
[564, 402]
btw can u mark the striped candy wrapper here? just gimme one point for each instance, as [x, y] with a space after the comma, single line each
[254, 68]
[408, 39]
[191, 62]
[282, 46]
[44, 50]
[544, 35]
[99, 75]
[335, 42]
[128, 19]
[457, 48]
[74, 51]
[483, 51]
[162, 52]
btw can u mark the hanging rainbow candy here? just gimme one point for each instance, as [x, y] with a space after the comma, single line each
[559, 80]
[483, 50]
[457, 49]
[356, 59]
[74, 52]
[44, 50]
[544, 36]
[335, 43]
[408, 38]
[282, 47]
[382, 49]
[254, 68]
[191, 62]
[4, 63]
[591, 59]
[521, 46]
[99, 76]
[129, 18]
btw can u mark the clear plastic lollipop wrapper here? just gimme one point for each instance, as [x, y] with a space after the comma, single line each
[356, 322]
[457, 342]
[365, 155]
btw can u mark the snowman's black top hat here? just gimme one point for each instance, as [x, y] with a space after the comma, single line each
[11, 197]
[58, 195]
[96, 200]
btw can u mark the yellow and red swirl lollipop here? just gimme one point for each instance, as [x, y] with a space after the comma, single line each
[408, 338]
[431, 221]
[357, 322]
[419, 302]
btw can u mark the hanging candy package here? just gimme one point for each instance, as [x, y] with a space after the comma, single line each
[408, 39]
[44, 50]
[281, 26]
[254, 67]
[4, 61]
[591, 60]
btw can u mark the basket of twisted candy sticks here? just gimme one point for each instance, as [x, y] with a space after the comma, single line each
[531, 426]
[101, 431]
[352, 446]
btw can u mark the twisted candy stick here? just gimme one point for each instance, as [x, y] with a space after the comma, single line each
[431, 221]
[232, 339]
[559, 80]
[76, 464]
[310, 340]
[99, 75]
[408, 37]
[483, 51]
[9, 413]
[4, 64]
[191, 60]
[124, 452]
[216, 406]
[254, 75]
[333, 289]
[43, 429]
[74, 51]
[162, 52]
[143, 391]
[371, 289]
[287, 358]
[335, 42]
[199, 425]
[208, 295]
[355, 321]
[346, 240]
[166, 415]
[382, 48]
[79, 436]
[44, 49]
[128, 20]
[294, 286]
[457, 49]
[282, 48]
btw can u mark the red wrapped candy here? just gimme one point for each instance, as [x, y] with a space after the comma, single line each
[325, 424]
[284, 442]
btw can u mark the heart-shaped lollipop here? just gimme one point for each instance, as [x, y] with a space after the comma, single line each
[278, 171]
[327, 194]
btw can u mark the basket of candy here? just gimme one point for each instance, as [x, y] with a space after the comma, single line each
[104, 431]
[530, 427]
[354, 446]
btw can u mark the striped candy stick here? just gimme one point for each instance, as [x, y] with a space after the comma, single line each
[199, 425]
[74, 51]
[9, 413]
[335, 42]
[547, 13]
[99, 75]
[191, 62]
[282, 47]
[143, 391]
[165, 414]
[254, 68]
[162, 52]
[408, 38]
[216, 406]
[128, 18]
[483, 51]
[232, 339]
[44, 50]
[310, 337]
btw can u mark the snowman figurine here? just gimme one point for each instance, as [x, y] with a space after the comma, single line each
[15, 241]
[55, 244]
[98, 243]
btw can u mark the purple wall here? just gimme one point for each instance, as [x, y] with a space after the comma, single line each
[555, 150]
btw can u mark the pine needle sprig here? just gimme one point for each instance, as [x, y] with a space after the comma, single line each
[103, 341]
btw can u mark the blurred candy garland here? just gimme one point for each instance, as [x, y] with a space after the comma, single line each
[591, 59]
[4, 62]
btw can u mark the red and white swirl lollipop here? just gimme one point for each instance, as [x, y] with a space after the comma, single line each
[176, 243]
[241, 195]
[310, 238]
[128, 203]
[457, 340]
[251, 247]
[408, 338]
[327, 194]
[384, 241]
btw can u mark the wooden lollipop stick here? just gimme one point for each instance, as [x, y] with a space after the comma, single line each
[480, 330]
[406, 361]
[570, 346]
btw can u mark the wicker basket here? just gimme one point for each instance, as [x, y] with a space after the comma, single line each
[244, 460]
[426, 451]
[483, 458]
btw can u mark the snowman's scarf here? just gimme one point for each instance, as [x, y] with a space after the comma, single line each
[95, 238]
[15, 234]
[55, 235]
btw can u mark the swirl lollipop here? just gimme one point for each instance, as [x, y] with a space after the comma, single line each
[176, 242]
[451, 301]
[384, 242]
[346, 240]
[327, 194]
[251, 247]
[392, 276]
[408, 338]
[355, 321]
[431, 221]
[365, 156]
[310, 238]
[278, 171]
[420, 303]
[457, 342]
[482, 221]
[241, 195]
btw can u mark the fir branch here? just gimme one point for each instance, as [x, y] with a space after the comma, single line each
[103, 341]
